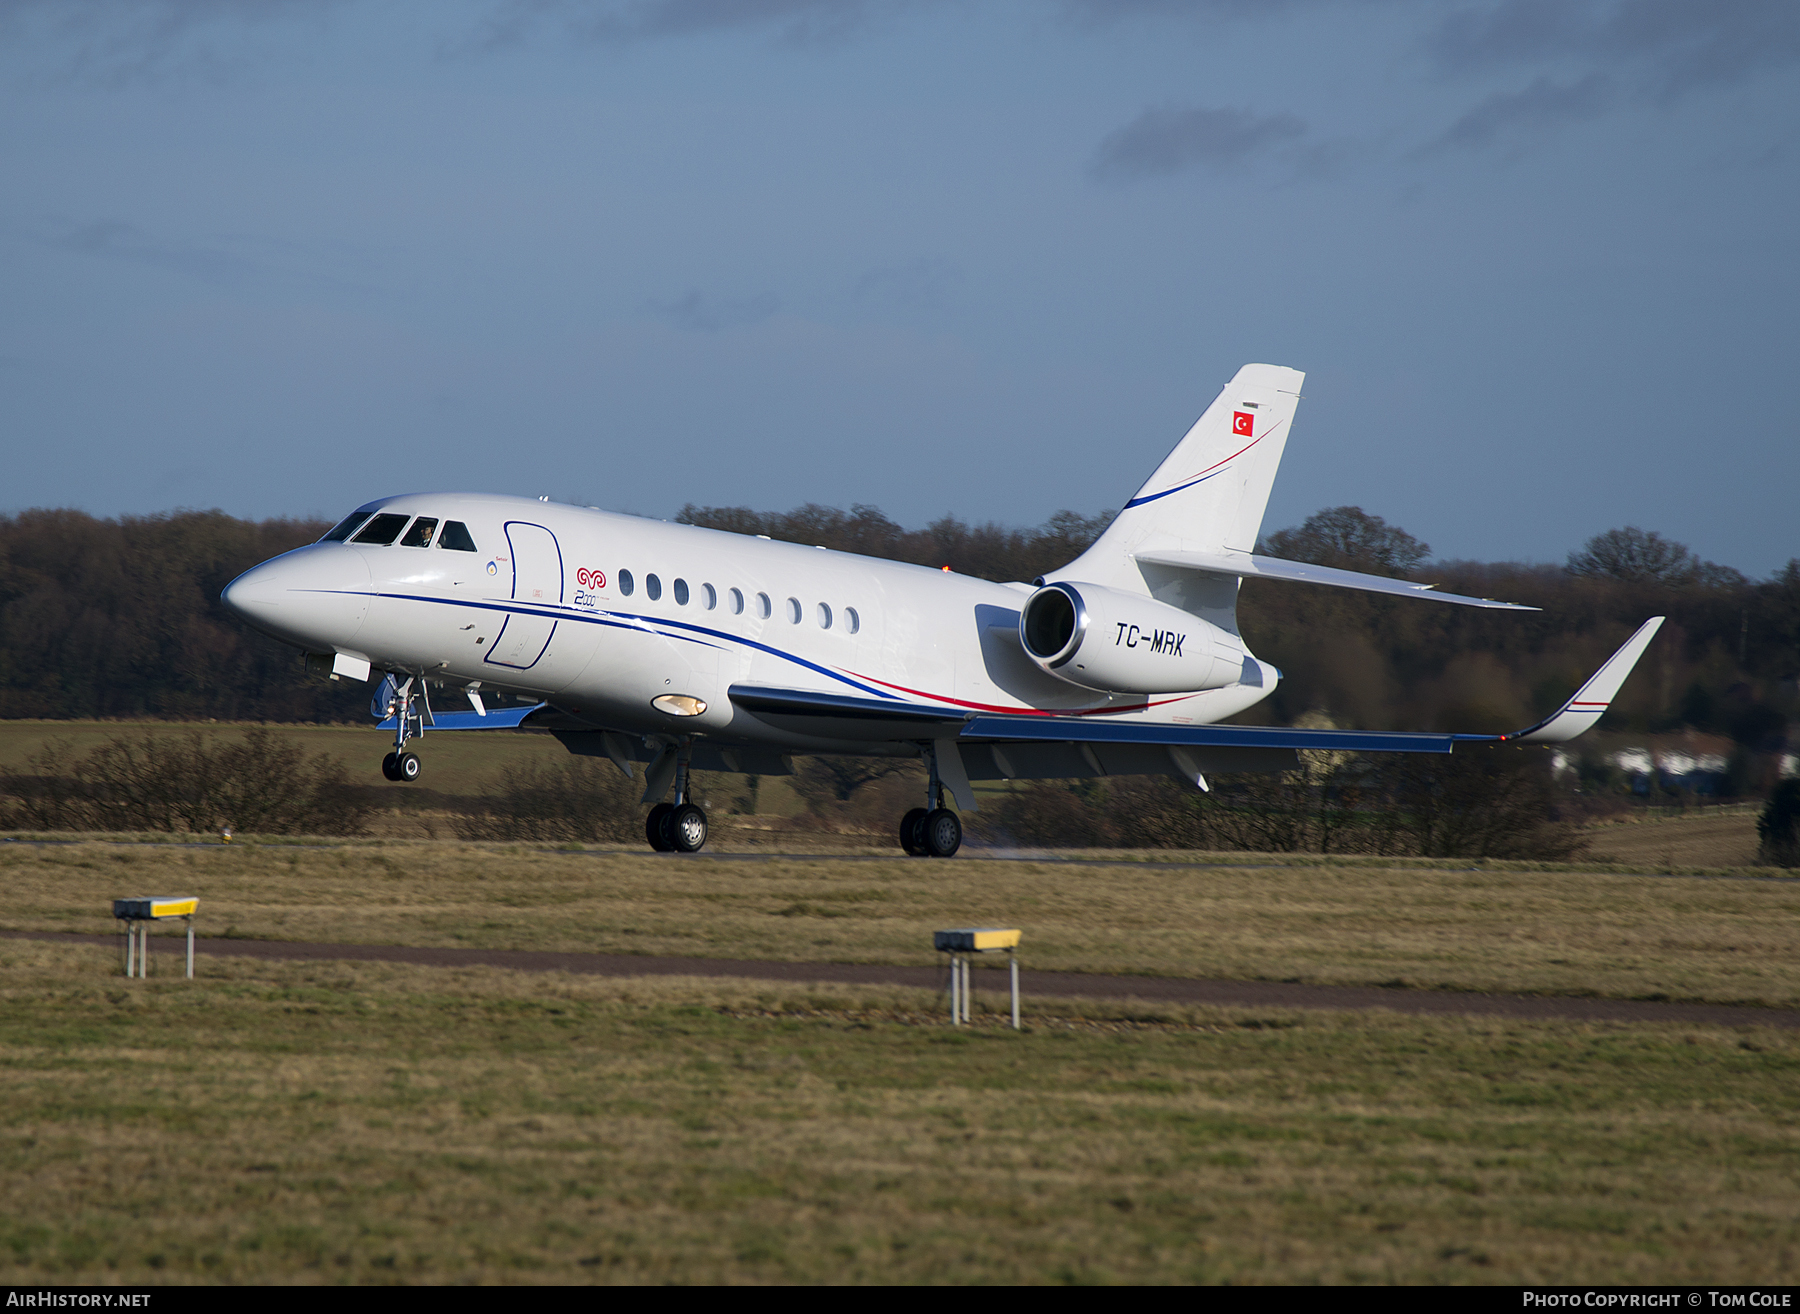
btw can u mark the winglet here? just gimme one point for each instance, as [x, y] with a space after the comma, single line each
[1584, 709]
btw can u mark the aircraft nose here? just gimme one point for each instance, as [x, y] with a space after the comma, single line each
[315, 597]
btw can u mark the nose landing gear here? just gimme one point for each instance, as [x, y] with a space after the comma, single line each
[678, 827]
[933, 831]
[412, 713]
[403, 767]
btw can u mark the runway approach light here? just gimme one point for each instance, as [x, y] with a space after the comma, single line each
[138, 913]
[961, 945]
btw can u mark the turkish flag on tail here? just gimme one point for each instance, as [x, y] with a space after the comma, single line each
[1243, 424]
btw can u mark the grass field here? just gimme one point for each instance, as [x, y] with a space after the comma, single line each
[339, 1122]
[1560, 930]
[373, 1123]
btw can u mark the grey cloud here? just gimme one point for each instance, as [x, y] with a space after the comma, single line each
[1511, 119]
[923, 283]
[800, 22]
[113, 239]
[1167, 140]
[1096, 12]
[695, 313]
[1670, 46]
[112, 42]
[227, 261]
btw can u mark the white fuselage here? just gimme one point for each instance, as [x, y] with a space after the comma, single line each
[541, 608]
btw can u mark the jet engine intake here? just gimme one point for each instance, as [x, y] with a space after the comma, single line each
[1113, 642]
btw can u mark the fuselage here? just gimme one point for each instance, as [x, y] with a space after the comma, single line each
[604, 614]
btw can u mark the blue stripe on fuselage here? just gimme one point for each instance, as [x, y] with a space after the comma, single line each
[642, 623]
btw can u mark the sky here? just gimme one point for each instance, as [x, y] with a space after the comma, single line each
[1539, 258]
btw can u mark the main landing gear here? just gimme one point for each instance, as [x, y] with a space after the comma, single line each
[933, 831]
[678, 827]
[410, 711]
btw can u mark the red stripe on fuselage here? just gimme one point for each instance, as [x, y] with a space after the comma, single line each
[1018, 711]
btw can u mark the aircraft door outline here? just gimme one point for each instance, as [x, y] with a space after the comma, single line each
[537, 564]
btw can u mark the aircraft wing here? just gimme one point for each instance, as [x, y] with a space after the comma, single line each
[1247, 565]
[1571, 719]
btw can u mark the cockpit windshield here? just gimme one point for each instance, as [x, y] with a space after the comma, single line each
[420, 533]
[382, 530]
[346, 527]
[456, 537]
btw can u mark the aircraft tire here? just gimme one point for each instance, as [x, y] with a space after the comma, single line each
[910, 837]
[941, 833]
[685, 828]
[387, 767]
[407, 768]
[655, 831]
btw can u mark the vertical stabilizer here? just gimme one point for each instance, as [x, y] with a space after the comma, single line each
[1207, 495]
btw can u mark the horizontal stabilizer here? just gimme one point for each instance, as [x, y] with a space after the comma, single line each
[1247, 565]
[1592, 699]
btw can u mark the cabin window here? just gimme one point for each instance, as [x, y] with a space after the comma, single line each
[627, 585]
[420, 533]
[764, 609]
[793, 611]
[852, 621]
[712, 596]
[737, 602]
[652, 587]
[680, 589]
[345, 527]
[824, 616]
[456, 537]
[382, 530]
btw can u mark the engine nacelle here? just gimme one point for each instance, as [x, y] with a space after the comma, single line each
[1113, 642]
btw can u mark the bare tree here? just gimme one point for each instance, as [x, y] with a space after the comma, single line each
[1349, 538]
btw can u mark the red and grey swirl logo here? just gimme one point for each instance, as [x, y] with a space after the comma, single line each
[590, 579]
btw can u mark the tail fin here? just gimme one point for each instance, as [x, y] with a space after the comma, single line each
[1208, 495]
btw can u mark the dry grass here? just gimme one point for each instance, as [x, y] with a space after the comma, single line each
[370, 1123]
[1566, 931]
[1711, 838]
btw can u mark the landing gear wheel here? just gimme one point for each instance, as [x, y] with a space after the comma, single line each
[910, 838]
[941, 833]
[685, 828]
[406, 768]
[654, 830]
[388, 768]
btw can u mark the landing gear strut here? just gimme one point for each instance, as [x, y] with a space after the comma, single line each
[933, 831]
[409, 721]
[678, 827]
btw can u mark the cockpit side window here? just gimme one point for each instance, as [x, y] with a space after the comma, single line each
[382, 530]
[420, 533]
[456, 537]
[345, 527]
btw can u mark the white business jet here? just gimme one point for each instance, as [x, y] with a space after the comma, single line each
[675, 647]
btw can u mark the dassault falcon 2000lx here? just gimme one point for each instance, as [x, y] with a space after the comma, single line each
[675, 647]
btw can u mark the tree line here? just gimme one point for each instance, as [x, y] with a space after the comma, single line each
[121, 618]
